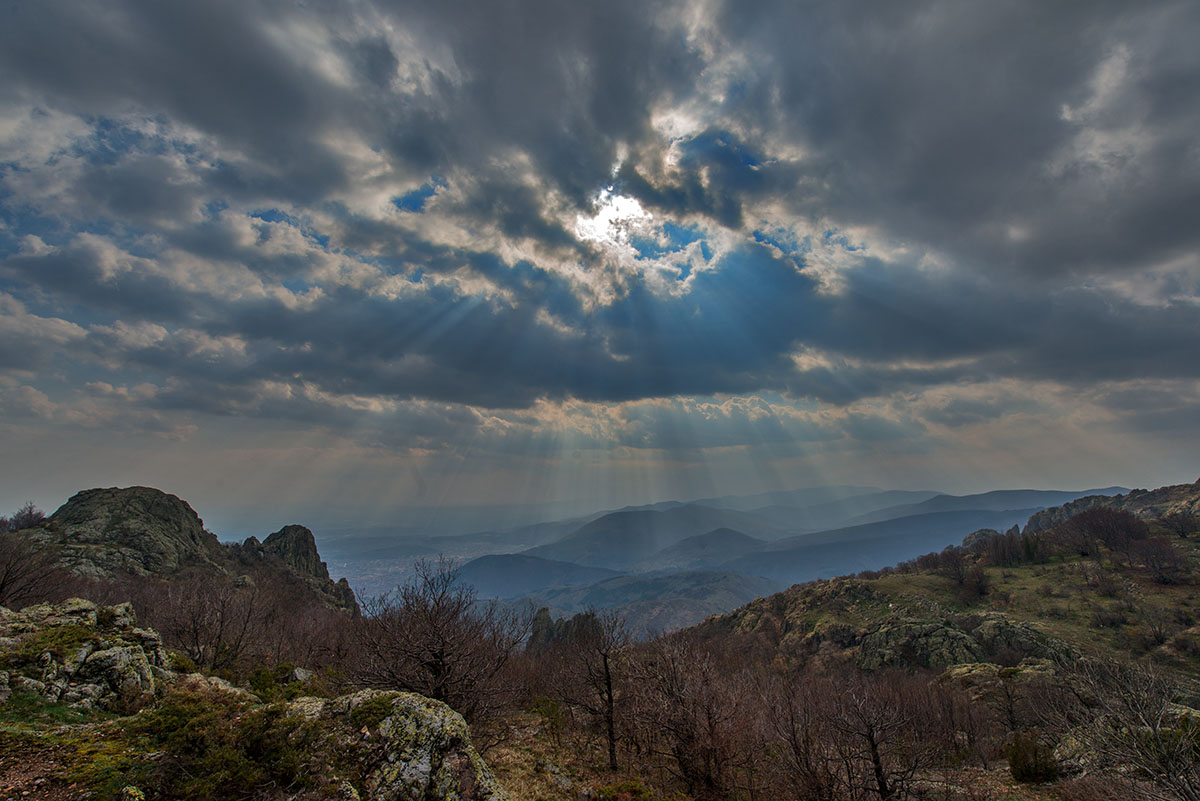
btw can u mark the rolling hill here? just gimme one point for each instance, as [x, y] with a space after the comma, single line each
[622, 539]
[658, 604]
[867, 547]
[511, 575]
[702, 551]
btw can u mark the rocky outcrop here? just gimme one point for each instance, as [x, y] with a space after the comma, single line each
[421, 748]
[81, 654]
[137, 530]
[978, 536]
[917, 643]
[947, 642]
[368, 746]
[1146, 504]
[145, 532]
[1048, 518]
[297, 548]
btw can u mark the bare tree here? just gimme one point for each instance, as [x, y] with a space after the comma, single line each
[952, 563]
[431, 637]
[1126, 716]
[861, 736]
[29, 571]
[694, 712]
[794, 704]
[592, 670]
[1165, 564]
[213, 619]
[1117, 529]
[25, 517]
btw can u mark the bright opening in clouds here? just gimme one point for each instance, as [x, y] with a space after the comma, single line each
[355, 257]
[617, 218]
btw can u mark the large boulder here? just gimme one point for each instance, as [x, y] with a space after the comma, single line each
[422, 748]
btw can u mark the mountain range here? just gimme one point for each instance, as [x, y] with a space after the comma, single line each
[664, 565]
[754, 544]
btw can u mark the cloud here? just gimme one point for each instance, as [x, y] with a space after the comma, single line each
[418, 225]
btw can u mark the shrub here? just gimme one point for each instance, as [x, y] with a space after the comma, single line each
[202, 745]
[1029, 760]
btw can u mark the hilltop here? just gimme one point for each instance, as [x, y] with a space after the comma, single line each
[1054, 589]
[144, 533]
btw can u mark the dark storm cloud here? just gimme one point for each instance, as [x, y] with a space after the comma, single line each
[561, 83]
[1031, 150]
[947, 123]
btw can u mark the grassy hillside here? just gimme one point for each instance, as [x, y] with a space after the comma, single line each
[1106, 602]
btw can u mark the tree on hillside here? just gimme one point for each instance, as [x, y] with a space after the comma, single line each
[1116, 529]
[213, 619]
[694, 710]
[1128, 719]
[25, 517]
[430, 636]
[592, 670]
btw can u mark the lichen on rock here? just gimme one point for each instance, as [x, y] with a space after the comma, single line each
[80, 653]
[422, 747]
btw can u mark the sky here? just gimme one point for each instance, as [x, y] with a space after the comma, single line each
[331, 261]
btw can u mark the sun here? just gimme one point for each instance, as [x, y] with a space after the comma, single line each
[617, 218]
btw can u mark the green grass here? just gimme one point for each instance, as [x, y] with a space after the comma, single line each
[30, 710]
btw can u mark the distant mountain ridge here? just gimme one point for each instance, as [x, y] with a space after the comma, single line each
[512, 575]
[657, 604]
[869, 546]
[994, 501]
[701, 551]
[620, 540]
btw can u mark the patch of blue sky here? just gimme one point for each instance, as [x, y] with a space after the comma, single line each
[674, 239]
[786, 242]
[18, 221]
[719, 146]
[278, 216]
[110, 141]
[784, 239]
[833, 236]
[681, 235]
[414, 201]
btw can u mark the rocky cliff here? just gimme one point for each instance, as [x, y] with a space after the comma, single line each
[80, 654]
[144, 532]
